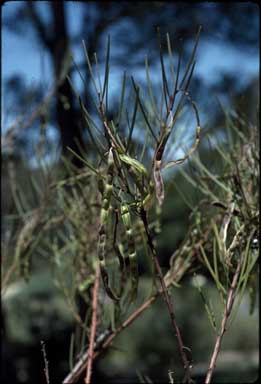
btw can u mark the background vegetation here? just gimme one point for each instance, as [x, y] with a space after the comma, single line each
[49, 225]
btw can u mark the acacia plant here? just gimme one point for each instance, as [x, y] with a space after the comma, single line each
[96, 222]
[129, 187]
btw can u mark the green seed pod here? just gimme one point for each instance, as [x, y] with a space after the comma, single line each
[135, 164]
[104, 215]
[125, 214]
[126, 218]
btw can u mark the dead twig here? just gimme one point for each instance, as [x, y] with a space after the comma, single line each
[93, 326]
[7, 276]
[227, 312]
[46, 363]
[167, 298]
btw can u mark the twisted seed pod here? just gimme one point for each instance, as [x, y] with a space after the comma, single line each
[126, 218]
[157, 166]
[106, 199]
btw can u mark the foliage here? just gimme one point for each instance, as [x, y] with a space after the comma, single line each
[107, 215]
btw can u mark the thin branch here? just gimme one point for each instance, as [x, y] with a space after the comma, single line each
[166, 296]
[93, 327]
[46, 363]
[7, 276]
[227, 312]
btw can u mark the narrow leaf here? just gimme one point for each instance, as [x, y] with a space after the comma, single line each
[153, 103]
[164, 80]
[122, 98]
[85, 161]
[171, 58]
[133, 119]
[142, 110]
[105, 85]
[191, 60]
[90, 67]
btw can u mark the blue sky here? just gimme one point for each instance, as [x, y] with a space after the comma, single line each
[23, 55]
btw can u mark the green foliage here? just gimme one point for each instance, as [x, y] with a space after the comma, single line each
[232, 211]
[129, 186]
[92, 218]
